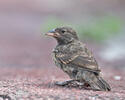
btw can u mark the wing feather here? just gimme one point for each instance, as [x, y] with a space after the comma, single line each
[80, 56]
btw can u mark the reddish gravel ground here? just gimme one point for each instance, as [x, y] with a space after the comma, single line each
[38, 84]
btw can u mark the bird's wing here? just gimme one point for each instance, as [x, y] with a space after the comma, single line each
[83, 60]
[86, 63]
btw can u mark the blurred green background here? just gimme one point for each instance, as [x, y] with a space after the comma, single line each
[99, 24]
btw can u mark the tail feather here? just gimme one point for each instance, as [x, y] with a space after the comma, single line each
[98, 83]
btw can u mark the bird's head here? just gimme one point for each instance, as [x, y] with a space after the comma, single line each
[63, 35]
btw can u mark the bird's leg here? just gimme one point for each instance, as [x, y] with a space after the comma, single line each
[64, 82]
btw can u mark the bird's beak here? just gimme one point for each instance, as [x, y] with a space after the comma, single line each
[52, 33]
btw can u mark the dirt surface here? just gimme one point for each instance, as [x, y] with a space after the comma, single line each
[38, 84]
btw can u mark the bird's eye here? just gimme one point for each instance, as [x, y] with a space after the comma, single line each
[63, 31]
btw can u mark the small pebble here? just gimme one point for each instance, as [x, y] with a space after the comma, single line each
[117, 78]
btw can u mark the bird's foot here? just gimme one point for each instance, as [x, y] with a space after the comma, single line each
[64, 83]
[73, 83]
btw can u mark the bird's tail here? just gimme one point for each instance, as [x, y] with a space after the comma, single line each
[100, 84]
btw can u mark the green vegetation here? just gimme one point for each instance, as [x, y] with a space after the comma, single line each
[101, 29]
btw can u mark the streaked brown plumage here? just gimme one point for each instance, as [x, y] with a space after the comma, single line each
[76, 60]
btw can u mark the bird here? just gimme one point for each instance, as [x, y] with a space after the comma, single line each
[73, 57]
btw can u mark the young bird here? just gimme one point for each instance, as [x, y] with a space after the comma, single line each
[76, 60]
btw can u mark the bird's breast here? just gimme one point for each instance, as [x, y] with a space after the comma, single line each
[57, 63]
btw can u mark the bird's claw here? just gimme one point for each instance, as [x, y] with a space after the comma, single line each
[61, 83]
[64, 83]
